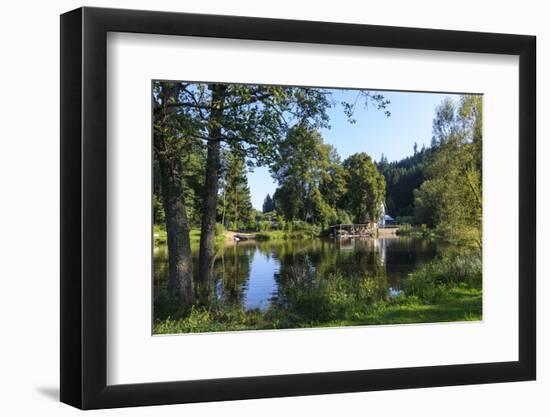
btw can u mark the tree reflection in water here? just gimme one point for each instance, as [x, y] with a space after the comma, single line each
[257, 275]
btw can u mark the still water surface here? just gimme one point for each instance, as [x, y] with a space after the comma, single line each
[250, 273]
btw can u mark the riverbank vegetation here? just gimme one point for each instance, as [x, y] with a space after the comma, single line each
[447, 289]
[208, 137]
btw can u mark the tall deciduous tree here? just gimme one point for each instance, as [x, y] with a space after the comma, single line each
[365, 188]
[309, 175]
[451, 197]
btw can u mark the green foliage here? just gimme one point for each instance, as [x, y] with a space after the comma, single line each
[220, 229]
[365, 188]
[402, 178]
[254, 118]
[333, 298]
[405, 220]
[234, 207]
[268, 204]
[315, 187]
[451, 197]
[162, 304]
[159, 234]
[296, 230]
[303, 169]
[301, 226]
[179, 145]
[431, 281]
[457, 304]
[264, 226]
[193, 162]
[158, 210]
[281, 223]
[340, 217]
[422, 231]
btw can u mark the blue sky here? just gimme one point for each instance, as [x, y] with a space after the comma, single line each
[373, 133]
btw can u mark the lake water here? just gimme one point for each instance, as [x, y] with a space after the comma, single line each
[252, 274]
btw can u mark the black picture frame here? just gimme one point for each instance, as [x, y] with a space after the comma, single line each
[84, 207]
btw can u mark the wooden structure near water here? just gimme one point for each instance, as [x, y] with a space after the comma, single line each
[346, 231]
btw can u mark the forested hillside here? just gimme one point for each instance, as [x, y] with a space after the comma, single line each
[402, 178]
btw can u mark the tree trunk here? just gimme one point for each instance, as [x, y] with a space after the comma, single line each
[207, 254]
[180, 265]
[177, 231]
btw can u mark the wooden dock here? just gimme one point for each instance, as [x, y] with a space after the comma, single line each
[346, 231]
[361, 230]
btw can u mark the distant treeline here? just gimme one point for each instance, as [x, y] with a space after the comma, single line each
[402, 178]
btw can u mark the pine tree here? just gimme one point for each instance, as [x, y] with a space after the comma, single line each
[268, 204]
[236, 206]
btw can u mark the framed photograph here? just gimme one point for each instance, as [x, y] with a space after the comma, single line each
[256, 208]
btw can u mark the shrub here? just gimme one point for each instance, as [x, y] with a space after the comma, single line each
[161, 301]
[340, 217]
[405, 220]
[420, 231]
[430, 281]
[264, 226]
[158, 210]
[281, 223]
[220, 230]
[334, 297]
[159, 234]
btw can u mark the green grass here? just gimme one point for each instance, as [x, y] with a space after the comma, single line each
[296, 230]
[284, 235]
[195, 235]
[459, 305]
[159, 235]
[299, 231]
[417, 231]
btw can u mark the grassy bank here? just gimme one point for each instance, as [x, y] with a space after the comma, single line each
[282, 235]
[463, 236]
[416, 231]
[159, 235]
[448, 289]
[296, 230]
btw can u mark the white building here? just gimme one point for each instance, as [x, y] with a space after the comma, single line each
[384, 217]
